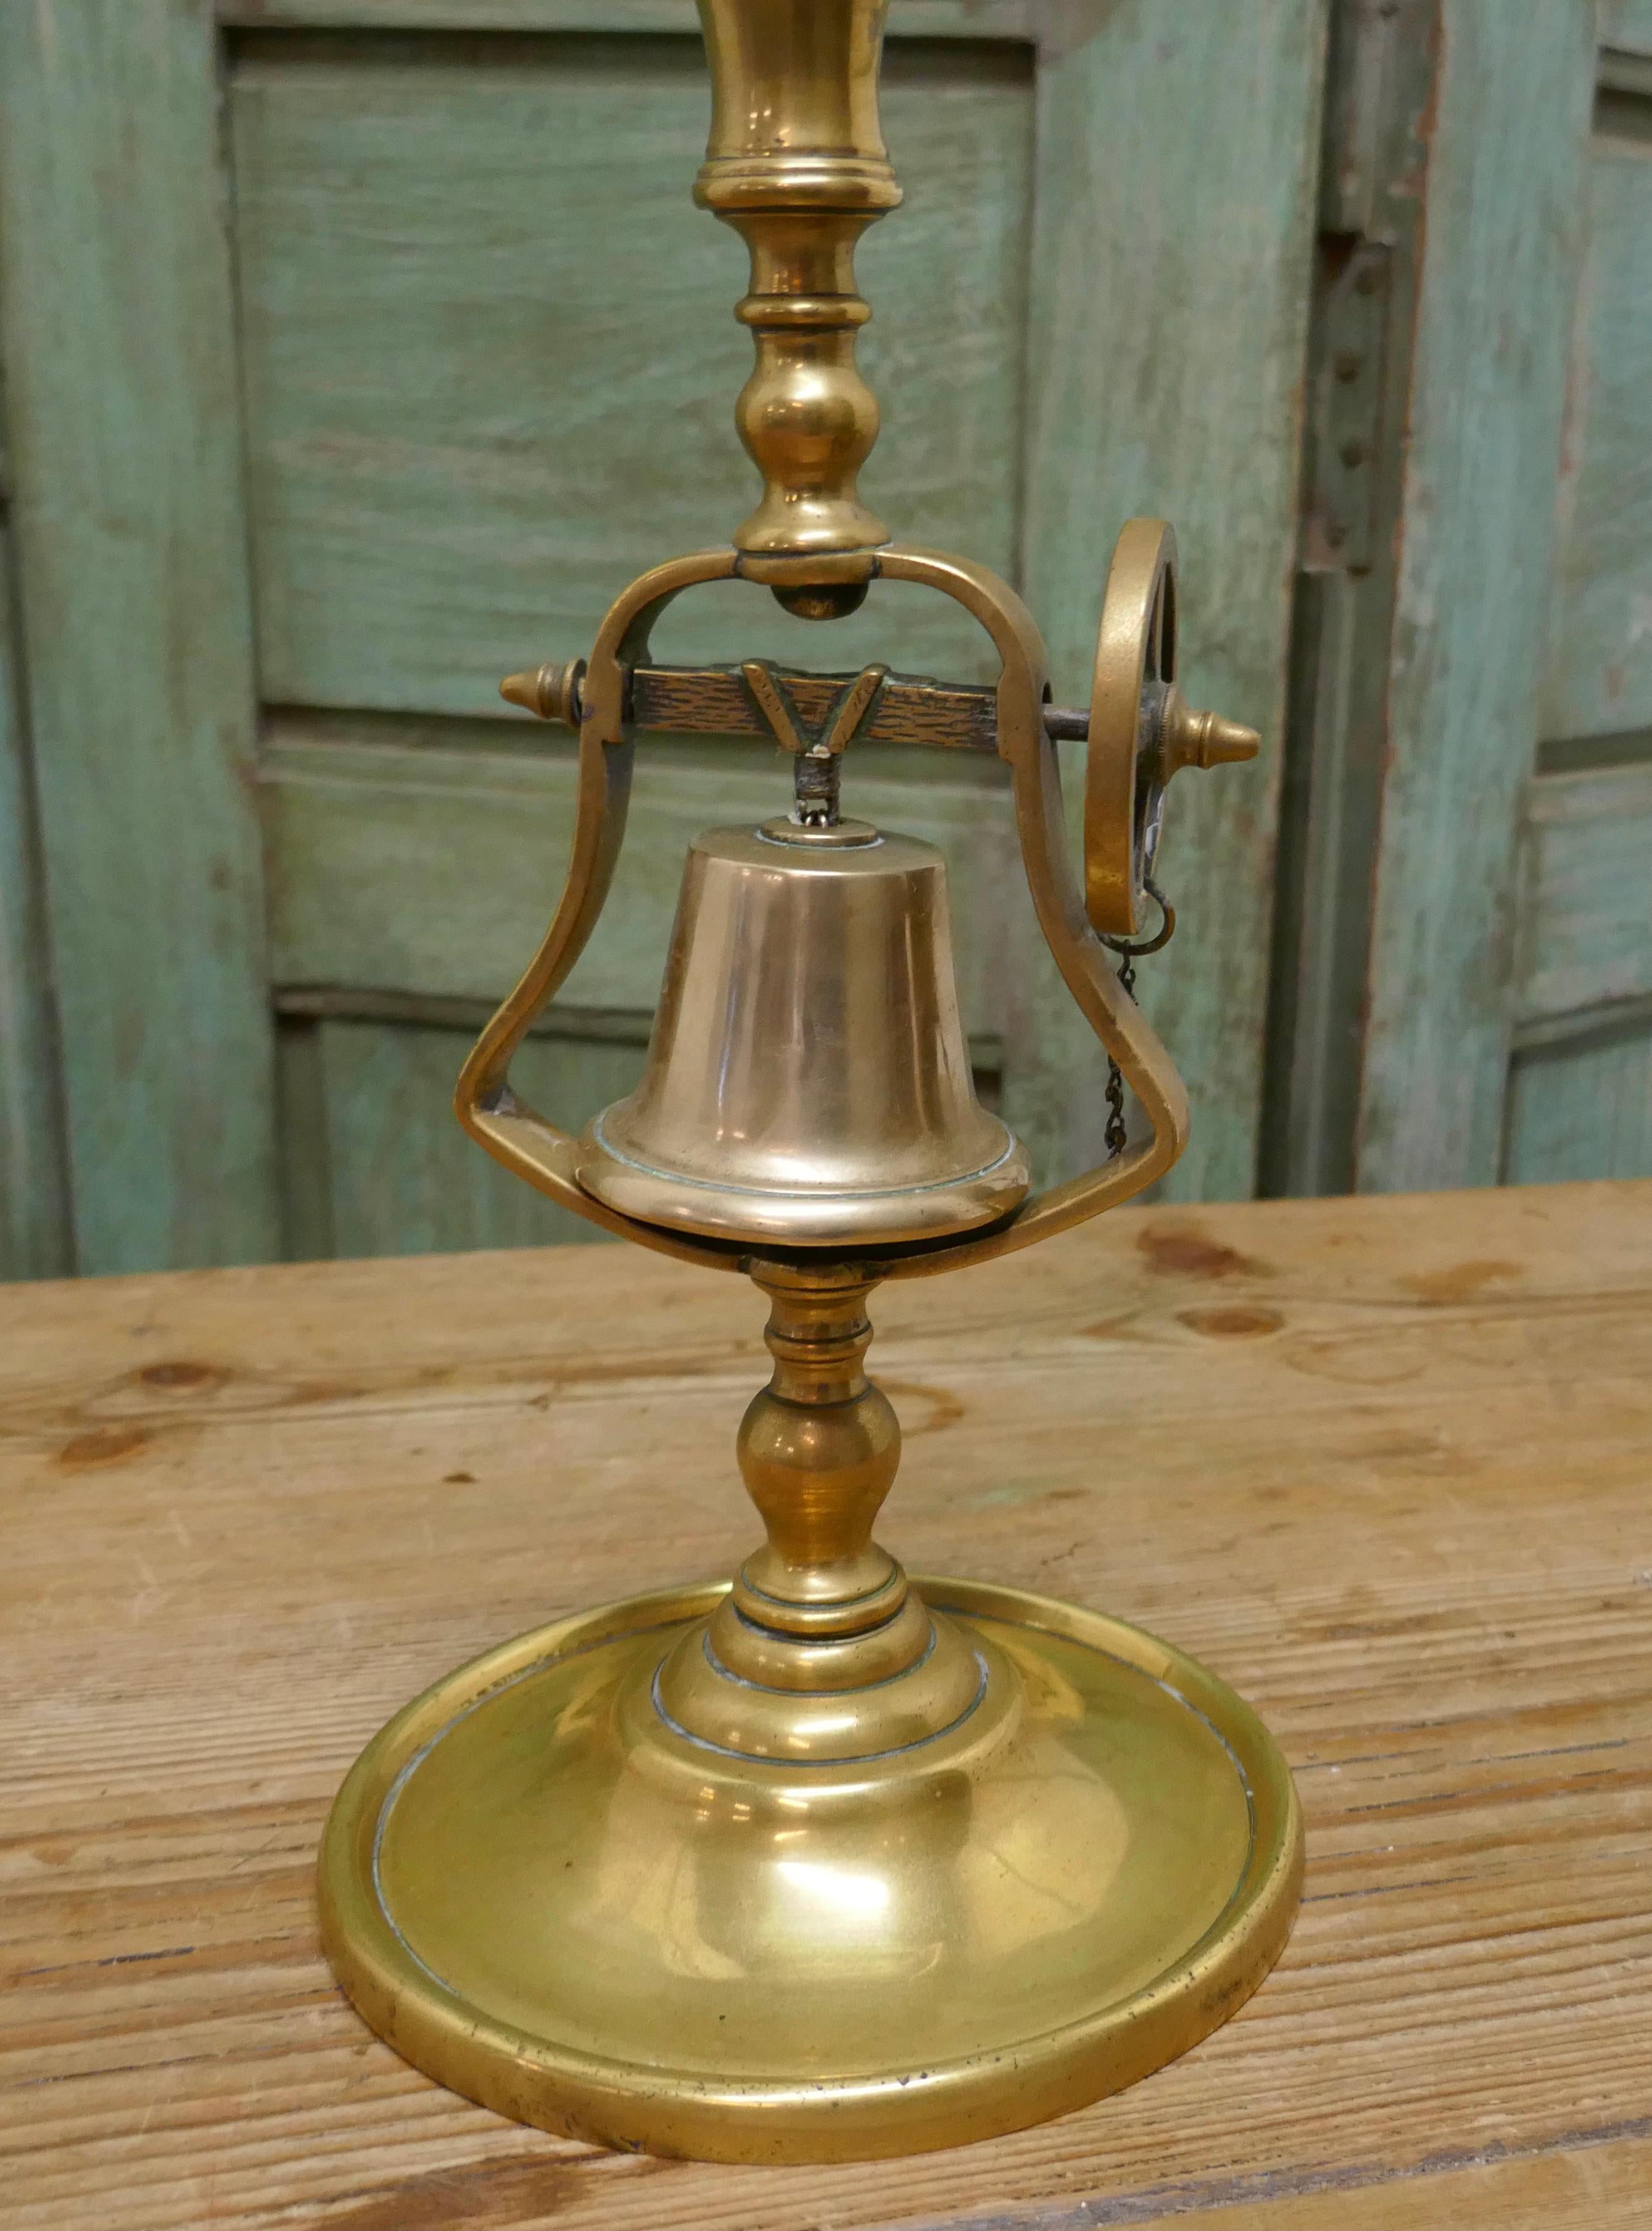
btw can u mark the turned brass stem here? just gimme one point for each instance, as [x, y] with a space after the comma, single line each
[820, 1650]
[818, 1450]
[796, 163]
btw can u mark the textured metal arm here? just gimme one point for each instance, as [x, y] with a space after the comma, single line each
[525, 1142]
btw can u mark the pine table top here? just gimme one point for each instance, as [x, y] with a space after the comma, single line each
[1384, 1464]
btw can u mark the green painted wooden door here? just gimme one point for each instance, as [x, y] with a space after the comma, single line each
[1580, 1098]
[359, 351]
[1464, 988]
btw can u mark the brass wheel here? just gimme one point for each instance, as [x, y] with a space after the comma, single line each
[1135, 673]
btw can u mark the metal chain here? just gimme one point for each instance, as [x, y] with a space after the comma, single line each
[1116, 1137]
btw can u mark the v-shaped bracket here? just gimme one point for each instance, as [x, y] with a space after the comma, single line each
[846, 713]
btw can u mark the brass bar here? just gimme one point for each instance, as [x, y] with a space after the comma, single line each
[715, 700]
[719, 700]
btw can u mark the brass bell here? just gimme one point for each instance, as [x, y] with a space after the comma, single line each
[807, 1082]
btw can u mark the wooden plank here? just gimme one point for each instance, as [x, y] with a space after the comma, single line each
[506, 384]
[1585, 924]
[1625, 24]
[936, 19]
[1178, 154]
[1503, 187]
[1599, 675]
[404, 1178]
[1581, 1107]
[335, 1003]
[131, 542]
[1402, 1507]
[305, 1171]
[35, 1236]
[1600, 2181]
[433, 869]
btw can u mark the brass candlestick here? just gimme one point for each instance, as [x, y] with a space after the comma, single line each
[823, 1864]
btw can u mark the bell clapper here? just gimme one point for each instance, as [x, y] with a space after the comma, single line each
[815, 776]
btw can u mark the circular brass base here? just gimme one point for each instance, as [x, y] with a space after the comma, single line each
[548, 1897]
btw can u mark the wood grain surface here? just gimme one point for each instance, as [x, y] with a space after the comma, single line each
[1382, 1463]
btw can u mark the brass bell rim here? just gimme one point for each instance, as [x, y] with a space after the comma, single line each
[1013, 1151]
[797, 1215]
[665, 2104]
[829, 1192]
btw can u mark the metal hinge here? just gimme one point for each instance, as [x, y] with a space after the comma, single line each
[1375, 81]
[1346, 402]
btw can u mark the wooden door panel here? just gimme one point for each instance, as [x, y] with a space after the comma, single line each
[433, 871]
[123, 418]
[1580, 1080]
[375, 1162]
[1585, 895]
[1581, 1107]
[35, 1239]
[1178, 162]
[490, 362]
[1503, 180]
[1598, 681]
[1625, 26]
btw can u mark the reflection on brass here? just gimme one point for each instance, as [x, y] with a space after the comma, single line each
[826, 1864]
[760, 1947]
[807, 1082]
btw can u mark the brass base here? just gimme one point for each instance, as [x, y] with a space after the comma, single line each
[546, 1893]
